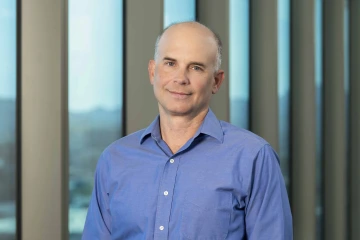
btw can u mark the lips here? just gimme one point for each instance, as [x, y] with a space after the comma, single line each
[179, 95]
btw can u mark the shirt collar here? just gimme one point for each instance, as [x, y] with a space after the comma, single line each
[153, 129]
[210, 126]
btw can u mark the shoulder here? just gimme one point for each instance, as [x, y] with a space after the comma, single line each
[243, 139]
[120, 146]
[130, 140]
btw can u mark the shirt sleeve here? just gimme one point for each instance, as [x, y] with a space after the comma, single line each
[268, 214]
[98, 220]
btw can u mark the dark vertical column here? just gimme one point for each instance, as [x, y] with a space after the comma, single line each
[18, 123]
[263, 70]
[334, 121]
[65, 120]
[215, 15]
[43, 119]
[144, 22]
[354, 8]
[303, 119]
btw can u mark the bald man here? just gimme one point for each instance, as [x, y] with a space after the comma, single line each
[188, 175]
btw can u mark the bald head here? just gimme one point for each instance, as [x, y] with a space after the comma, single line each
[193, 27]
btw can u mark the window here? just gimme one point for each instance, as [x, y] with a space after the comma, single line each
[284, 86]
[239, 62]
[95, 96]
[8, 119]
[319, 107]
[178, 11]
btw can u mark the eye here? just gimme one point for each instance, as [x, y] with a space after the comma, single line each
[197, 68]
[170, 64]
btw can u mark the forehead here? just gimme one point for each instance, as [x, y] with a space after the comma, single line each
[188, 41]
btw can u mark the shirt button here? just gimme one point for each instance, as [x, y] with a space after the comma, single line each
[172, 160]
[166, 193]
[161, 228]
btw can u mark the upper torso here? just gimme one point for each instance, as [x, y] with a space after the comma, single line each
[200, 192]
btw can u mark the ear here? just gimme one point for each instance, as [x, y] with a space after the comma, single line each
[219, 78]
[151, 70]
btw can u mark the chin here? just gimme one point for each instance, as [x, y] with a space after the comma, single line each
[178, 111]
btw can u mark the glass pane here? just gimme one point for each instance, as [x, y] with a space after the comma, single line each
[7, 119]
[178, 11]
[95, 95]
[319, 94]
[284, 86]
[239, 62]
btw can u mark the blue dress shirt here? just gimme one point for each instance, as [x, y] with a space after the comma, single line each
[224, 183]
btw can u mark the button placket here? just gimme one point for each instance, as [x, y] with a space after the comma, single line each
[165, 199]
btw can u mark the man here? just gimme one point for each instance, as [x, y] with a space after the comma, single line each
[188, 175]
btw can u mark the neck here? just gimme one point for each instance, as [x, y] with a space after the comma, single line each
[177, 130]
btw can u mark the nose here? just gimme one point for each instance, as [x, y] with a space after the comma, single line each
[182, 76]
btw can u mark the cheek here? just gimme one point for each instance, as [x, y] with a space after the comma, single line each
[157, 83]
[204, 85]
[162, 78]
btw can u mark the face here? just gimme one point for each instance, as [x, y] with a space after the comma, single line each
[183, 75]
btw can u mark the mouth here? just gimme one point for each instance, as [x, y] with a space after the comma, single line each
[179, 95]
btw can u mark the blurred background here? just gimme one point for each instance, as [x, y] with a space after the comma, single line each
[73, 79]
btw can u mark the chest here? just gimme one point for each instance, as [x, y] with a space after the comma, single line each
[189, 195]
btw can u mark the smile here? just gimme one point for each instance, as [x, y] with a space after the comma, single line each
[179, 95]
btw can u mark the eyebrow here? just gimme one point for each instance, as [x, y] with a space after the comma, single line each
[191, 63]
[169, 59]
